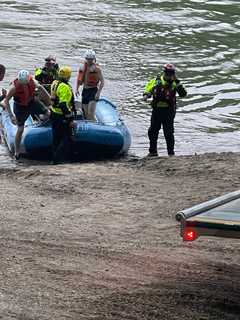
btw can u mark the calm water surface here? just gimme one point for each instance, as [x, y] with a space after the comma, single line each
[133, 39]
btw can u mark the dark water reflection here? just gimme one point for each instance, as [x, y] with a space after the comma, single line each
[133, 39]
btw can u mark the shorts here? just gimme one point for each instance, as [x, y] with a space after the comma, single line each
[23, 112]
[88, 95]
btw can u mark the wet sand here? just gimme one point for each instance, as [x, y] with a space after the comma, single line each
[99, 241]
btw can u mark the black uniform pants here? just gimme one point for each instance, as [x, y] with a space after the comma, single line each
[162, 117]
[62, 138]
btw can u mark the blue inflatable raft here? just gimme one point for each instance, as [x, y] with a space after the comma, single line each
[108, 137]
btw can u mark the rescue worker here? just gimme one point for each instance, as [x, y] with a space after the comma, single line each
[91, 78]
[2, 74]
[62, 115]
[46, 75]
[23, 92]
[4, 91]
[163, 90]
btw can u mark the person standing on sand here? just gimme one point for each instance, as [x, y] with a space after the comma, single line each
[163, 90]
[2, 74]
[4, 91]
[90, 76]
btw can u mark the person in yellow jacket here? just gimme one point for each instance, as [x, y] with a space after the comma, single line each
[62, 115]
[48, 73]
[163, 91]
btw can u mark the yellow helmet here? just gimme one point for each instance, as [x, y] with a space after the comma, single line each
[65, 72]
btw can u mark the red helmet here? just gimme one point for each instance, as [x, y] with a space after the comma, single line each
[169, 68]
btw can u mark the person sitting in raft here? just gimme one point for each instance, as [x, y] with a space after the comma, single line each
[90, 76]
[46, 75]
[23, 92]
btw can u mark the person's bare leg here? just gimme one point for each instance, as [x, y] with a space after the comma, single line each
[85, 110]
[18, 139]
[92, 111]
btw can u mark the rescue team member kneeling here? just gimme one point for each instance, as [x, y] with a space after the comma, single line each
[23, 92]
[163, 89]
[62, 112]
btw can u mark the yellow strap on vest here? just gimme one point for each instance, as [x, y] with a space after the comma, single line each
[164, 83]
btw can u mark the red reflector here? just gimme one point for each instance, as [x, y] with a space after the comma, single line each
[189, 234]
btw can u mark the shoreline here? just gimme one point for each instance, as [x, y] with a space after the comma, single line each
[99, 240]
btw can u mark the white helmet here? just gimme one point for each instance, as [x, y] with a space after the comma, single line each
[23, 76]
[90, 54]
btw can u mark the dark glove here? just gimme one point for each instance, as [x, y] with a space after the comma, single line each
[180, 89]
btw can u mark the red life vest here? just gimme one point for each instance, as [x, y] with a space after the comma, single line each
[89, 75]
[24, 92]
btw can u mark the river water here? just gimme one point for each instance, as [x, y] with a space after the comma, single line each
[133, 39]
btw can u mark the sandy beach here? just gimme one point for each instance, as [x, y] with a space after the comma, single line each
[99, 241]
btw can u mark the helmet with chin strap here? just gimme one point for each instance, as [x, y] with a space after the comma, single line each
[50, 59]
[23, 76]
[65, 72]
[169, 69]
[90, 55]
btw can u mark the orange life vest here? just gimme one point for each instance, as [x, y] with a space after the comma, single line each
[89, 75]
[24, 93]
